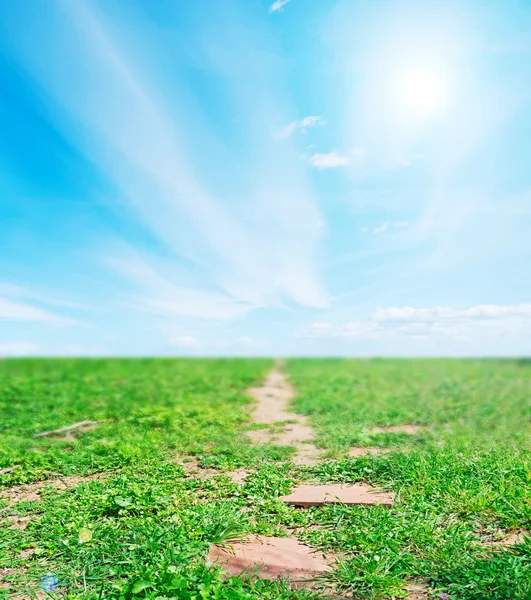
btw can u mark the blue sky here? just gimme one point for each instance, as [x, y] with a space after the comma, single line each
[245, 177]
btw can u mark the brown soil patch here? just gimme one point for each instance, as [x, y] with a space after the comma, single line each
[364, 451]
[272, 407]
[195, 471]
[417, 591]
[19, 523]
[28, 553]
[271, 558]
[319, 495]
[516, 537]
[31, 492]
[410, 429]
[238, 476]
[36, 594]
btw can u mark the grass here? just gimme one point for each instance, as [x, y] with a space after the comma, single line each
[460, 483]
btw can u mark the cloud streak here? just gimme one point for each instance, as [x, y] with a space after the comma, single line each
[117, 115]
[156, 294]
[18, 311]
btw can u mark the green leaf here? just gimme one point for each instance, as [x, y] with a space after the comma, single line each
[124, 502]
[139, 586]
[85, 535]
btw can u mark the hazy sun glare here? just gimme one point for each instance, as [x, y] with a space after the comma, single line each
[420, 91]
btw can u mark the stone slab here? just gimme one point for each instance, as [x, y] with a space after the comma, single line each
[271, 558]
[318, 495]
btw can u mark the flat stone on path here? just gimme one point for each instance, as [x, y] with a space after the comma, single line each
[270, 558]
[318, 495]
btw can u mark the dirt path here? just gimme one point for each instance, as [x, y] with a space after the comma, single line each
[287, 428]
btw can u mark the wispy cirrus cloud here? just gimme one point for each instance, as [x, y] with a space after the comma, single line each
[20, 303]
[118, 117]
[155, 293]
[42, 297]
[278, 6]
[18, 311]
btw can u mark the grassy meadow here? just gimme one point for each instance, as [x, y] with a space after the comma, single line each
[132, 522]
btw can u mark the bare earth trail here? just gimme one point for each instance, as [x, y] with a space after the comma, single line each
[273, 409]
[289, 558]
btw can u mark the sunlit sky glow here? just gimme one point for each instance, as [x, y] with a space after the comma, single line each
[255, 177]
[420, 91]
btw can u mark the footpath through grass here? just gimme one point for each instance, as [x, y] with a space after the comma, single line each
[143, 529]
[462, 483]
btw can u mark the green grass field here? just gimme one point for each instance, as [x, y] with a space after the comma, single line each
[461, 484]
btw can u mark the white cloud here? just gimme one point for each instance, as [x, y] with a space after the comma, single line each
[329, 160]
[303, 125]
[39, 296]
[158, 295]
[381, 229]
[481, 322]
[311, 121]
[278, 6]
[444, 313]
[17, 311]
[187, 341]
[142, 128]
[18, 349]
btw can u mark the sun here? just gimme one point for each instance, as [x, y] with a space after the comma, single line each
[421, 91]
